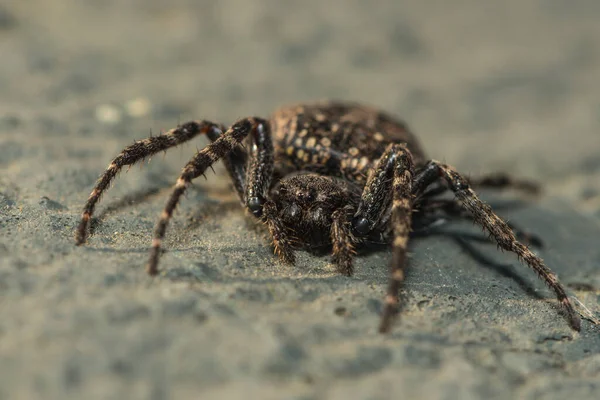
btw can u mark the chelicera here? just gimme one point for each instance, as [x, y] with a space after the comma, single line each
[330, 174]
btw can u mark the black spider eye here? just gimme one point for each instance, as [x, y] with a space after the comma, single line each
[255, 205]
[307, 196]
[361, 225]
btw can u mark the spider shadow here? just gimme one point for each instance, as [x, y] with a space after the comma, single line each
[144, 195]
[123, 203]
[210, 208]
[466, 240]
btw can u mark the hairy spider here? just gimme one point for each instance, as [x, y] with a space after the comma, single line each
[328, 173]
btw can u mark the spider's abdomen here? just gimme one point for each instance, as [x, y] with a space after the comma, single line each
[329, 136]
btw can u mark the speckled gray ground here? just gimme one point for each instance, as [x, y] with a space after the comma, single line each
[510, 86]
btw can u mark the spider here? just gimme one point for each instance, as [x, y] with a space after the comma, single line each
[335, 174]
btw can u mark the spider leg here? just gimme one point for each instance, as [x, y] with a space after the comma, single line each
[342, 240]
[258, 181]
[260, 167]
[498, 229]
[453, 209]
[251, 175]
[283, 244]
[220, 148]
[492, 181]
[235, 164]
[392, 174]
[138, 151]
[259, 176]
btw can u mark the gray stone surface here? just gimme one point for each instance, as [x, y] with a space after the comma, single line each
[506, 86]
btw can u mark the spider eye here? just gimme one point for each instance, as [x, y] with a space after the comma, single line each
[255, 205]
[306, 196]
[361, 225]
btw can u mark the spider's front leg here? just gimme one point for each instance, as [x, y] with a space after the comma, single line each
[259, 174]
[283, 244]
[221, 148]
[391, 177]
[483, 215]
[138, 151]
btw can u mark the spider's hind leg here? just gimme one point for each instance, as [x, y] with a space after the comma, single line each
[393, 175]
[483, 215]
[138, 151]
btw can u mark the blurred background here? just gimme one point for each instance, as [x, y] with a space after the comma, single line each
[511, 85]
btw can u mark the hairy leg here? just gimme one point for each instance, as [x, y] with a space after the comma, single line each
[451, 208]
[204, 159]
[497, 228]
[392, 175]
[342, 240]
[492, 181]
[235, 164]
[283, 243]
[138, 151]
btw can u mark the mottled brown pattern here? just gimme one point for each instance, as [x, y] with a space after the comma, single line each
[343, 138]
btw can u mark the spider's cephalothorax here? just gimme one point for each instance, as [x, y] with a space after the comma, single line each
[335, 174]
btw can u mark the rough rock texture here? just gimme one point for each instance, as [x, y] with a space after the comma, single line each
[506, 86]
